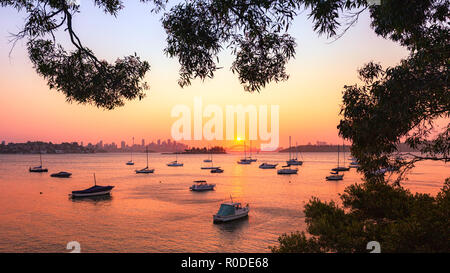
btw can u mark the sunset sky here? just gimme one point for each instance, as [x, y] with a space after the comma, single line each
[309, 101]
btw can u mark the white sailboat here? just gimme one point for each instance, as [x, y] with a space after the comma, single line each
[175, 163]
[146, 169]
[339, 168]
[287, 169]
[294, 160]
[209, 159]
[131, 160]
[245, 160]
[212, 167]
[38, 169]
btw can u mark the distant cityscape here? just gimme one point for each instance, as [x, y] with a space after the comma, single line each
[100, 147]
[165, 146]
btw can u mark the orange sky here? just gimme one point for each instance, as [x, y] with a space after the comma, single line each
[309, 101]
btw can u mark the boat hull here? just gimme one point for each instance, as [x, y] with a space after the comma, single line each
[94, 191]
[287, 171]
[223, 219]
[61, 175]
[145, 171]
[334, 178]
[206, 188]
[38, 170]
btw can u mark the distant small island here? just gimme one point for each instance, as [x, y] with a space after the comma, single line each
[204, 150]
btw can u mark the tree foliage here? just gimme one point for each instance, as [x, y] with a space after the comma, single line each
[402, 103]
[256, 31]
[374, 211]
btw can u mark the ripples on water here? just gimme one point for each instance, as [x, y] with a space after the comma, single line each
[157, 212]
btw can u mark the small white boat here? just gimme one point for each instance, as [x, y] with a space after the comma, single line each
[335, 176]
[339, 168]
[230, 211]
[146, 169]
[268, 166]
[201, 185]
[287, 170]
[209, 168]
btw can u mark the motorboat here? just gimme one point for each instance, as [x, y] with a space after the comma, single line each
[38, 169]
[218, 170]
[230, 211]
[268, 166]
[335, 176]
[61, 175]
[201, 185]
[93, 191]
[146, 169]
[287, 170]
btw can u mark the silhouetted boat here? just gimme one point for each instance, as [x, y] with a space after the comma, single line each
[230, 211]
[93, 191]
[287, 170]
[146, 169]
[38, 169]
[245, 160]
[335, 176]
[61, 175]
[339, 168]
[218, 170]
[268, 166]
[293, 161]
[201, 185]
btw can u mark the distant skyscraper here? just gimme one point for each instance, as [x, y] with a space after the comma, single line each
[3, 142]
[122, 145]
[143, 143]
[159, 142]
[82, 144]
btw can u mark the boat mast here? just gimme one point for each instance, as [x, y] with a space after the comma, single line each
[289, 148]
[338, 156]
[132, 151]
[40, 156]
[250, 149]
[343, 150]
[95, 181]
[146, 151]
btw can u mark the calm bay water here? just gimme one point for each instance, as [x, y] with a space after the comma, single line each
[157, 212]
